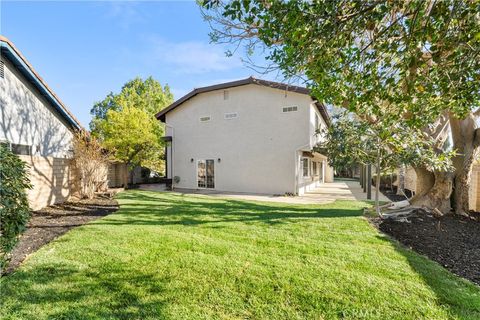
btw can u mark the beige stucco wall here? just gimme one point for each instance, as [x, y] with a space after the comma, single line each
[52, 180]
[27, 118]
[259, 151]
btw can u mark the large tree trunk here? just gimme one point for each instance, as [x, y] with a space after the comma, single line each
[438, 189]
[438, 195]
[425, 181]
[465, 142]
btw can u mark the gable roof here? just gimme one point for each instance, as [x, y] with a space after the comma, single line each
[250, 80]
[9, 51]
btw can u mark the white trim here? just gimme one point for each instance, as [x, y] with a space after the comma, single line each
[303, 167]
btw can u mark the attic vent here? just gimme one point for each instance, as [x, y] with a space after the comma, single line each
[2, 70]
[225, 94]
[290, 109]
[205, 119]
[232, 115]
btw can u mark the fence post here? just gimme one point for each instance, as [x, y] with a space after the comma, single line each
[369, 182]
[361, 175]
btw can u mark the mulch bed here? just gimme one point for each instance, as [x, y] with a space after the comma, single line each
[451, 240]
[53, 221]
[391, 193]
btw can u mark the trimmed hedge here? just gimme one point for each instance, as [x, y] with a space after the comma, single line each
[14, 209]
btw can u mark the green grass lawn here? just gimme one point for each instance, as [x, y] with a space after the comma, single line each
[170, 256]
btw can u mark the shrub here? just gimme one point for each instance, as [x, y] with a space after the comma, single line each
[14, 209]
[91, 163]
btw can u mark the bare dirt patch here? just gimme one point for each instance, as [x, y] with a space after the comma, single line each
[451, 240]
[53, 221]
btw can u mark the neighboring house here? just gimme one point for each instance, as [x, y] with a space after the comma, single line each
[249, 135]
[37, 126]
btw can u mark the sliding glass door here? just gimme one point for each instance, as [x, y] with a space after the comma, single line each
[206, 174]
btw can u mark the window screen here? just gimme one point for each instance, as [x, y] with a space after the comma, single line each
[21, 149]
[305, 167]
[290, 109]
[2, 70]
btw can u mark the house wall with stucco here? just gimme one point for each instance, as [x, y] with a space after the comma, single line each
[258, 151]
[27, 118]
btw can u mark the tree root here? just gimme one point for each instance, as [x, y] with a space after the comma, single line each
[400, 214]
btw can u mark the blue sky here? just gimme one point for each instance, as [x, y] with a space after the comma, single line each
[84, 50]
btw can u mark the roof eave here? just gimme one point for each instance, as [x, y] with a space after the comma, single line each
[250, 80]
[19, 61]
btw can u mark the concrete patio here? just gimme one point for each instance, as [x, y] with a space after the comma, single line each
[326, 193]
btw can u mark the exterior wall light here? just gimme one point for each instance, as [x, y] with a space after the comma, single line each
[191, 160]
[219, 160]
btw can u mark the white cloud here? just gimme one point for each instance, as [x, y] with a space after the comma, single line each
[124, 13]
[193, 57]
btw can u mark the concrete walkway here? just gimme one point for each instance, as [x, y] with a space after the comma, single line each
[326, 193]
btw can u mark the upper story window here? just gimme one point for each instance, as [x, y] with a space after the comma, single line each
[231, 115]
[305, 167]
[290, 109]
[225, 94]
[205, 119]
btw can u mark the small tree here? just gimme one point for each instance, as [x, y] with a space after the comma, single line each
[132, 136]
[126, 126]
[91, 164]
[351, 140]
[14, 208]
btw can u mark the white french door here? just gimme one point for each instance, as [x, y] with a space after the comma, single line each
[206, 173]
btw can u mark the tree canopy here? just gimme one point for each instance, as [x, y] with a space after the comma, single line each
[126, 126]
[409, 70]
[389, 60]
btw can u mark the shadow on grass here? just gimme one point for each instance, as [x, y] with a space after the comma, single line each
[84, 294]
[453, 292]
[141, 208]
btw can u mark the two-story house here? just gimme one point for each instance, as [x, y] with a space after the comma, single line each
[250, 135]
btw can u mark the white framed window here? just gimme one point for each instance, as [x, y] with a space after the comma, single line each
[305, 167]
[205, 119]
[226, 94]
[231, 115]
[315, 168]
[289, 109]
[16, 148]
